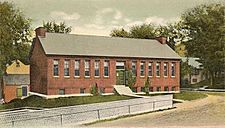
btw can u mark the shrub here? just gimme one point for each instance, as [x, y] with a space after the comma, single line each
[147, 85]
[94, 90]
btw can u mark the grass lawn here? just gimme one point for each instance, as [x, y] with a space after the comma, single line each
[188, 95]
[35, 101]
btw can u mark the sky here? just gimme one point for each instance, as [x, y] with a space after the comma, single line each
[100, 17]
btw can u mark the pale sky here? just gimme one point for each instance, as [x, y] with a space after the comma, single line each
[100, 17]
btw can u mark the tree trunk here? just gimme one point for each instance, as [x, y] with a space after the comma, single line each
[211, 78]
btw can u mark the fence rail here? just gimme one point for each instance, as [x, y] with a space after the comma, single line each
[85, 116]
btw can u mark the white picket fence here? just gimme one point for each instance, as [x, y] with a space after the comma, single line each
[86, 113]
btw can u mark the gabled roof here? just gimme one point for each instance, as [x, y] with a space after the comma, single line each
[86, 45]
[17, 67]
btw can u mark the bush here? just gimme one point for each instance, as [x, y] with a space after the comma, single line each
[94, 90]
[147, 85]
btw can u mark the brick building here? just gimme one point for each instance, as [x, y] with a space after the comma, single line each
[16, 81]
[71, 64]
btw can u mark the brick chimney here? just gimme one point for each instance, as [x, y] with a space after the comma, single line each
[161, 39]
[40, 31]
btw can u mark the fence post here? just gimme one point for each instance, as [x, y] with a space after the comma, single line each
[98, 114]
[61, 119]
[13, 123]
[153, 105]
[129, 109]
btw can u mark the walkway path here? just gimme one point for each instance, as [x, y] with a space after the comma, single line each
[207, 112]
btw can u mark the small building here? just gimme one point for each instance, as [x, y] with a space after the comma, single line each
[70, 64]
[16, 81]
[197, 74]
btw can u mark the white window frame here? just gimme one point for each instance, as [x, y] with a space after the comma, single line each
[87, 68]
[165, 64]
[158, 64]
[76, 67]
[55, 62]
[106, 64]
[173, 65]
[97, 67]
[150, 64]
[142, 70]
[67, 66]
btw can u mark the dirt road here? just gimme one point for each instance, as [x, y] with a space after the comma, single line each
[206, 113]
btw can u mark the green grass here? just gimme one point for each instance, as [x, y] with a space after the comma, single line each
[187, 95]
[35, 101]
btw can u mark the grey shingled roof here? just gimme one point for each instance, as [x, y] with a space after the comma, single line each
[86, 45]
[17, 79]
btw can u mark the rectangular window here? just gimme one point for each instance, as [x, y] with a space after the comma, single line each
[55, 67]
[61, 91]
[106, 68]
[150, 69]
[24, 91]
[165, 69]
[173, 72]
[142, 89]
[82, 90]
[77, 68]
[66, 68]
[97, 73]
[19, 92]
[158, 89]
[87, 68]
[158, 69]
[142, 69]
[134, 70]
[166, 88]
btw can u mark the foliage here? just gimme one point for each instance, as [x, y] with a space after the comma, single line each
[35, 101]
[147, 85]
[15, 35]
[53, 27]
[205, 30]
[150, 31]
[131, 79]
[94, 90]
[186, 95]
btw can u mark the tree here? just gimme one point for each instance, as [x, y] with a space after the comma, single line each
[150, 31]
[206, 28]
[15, 35]
[53, 27]
[147, 85]
[131, 79]
[119, 33]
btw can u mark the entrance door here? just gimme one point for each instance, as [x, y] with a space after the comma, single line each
[120, 73]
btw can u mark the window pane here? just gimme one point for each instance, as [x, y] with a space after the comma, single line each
[149, 69]
[19, 92]
[66, 68]
[142, 69]
[77, 68]
[173, 69]
[24, 91]
[97, 63]
[106, 68]
[134, 70]
[165, 69]
[56, 67]
[158, 69]
[87, 68]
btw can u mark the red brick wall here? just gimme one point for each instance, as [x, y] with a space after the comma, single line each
[73, 85]
[10, 92]
[38, 69]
